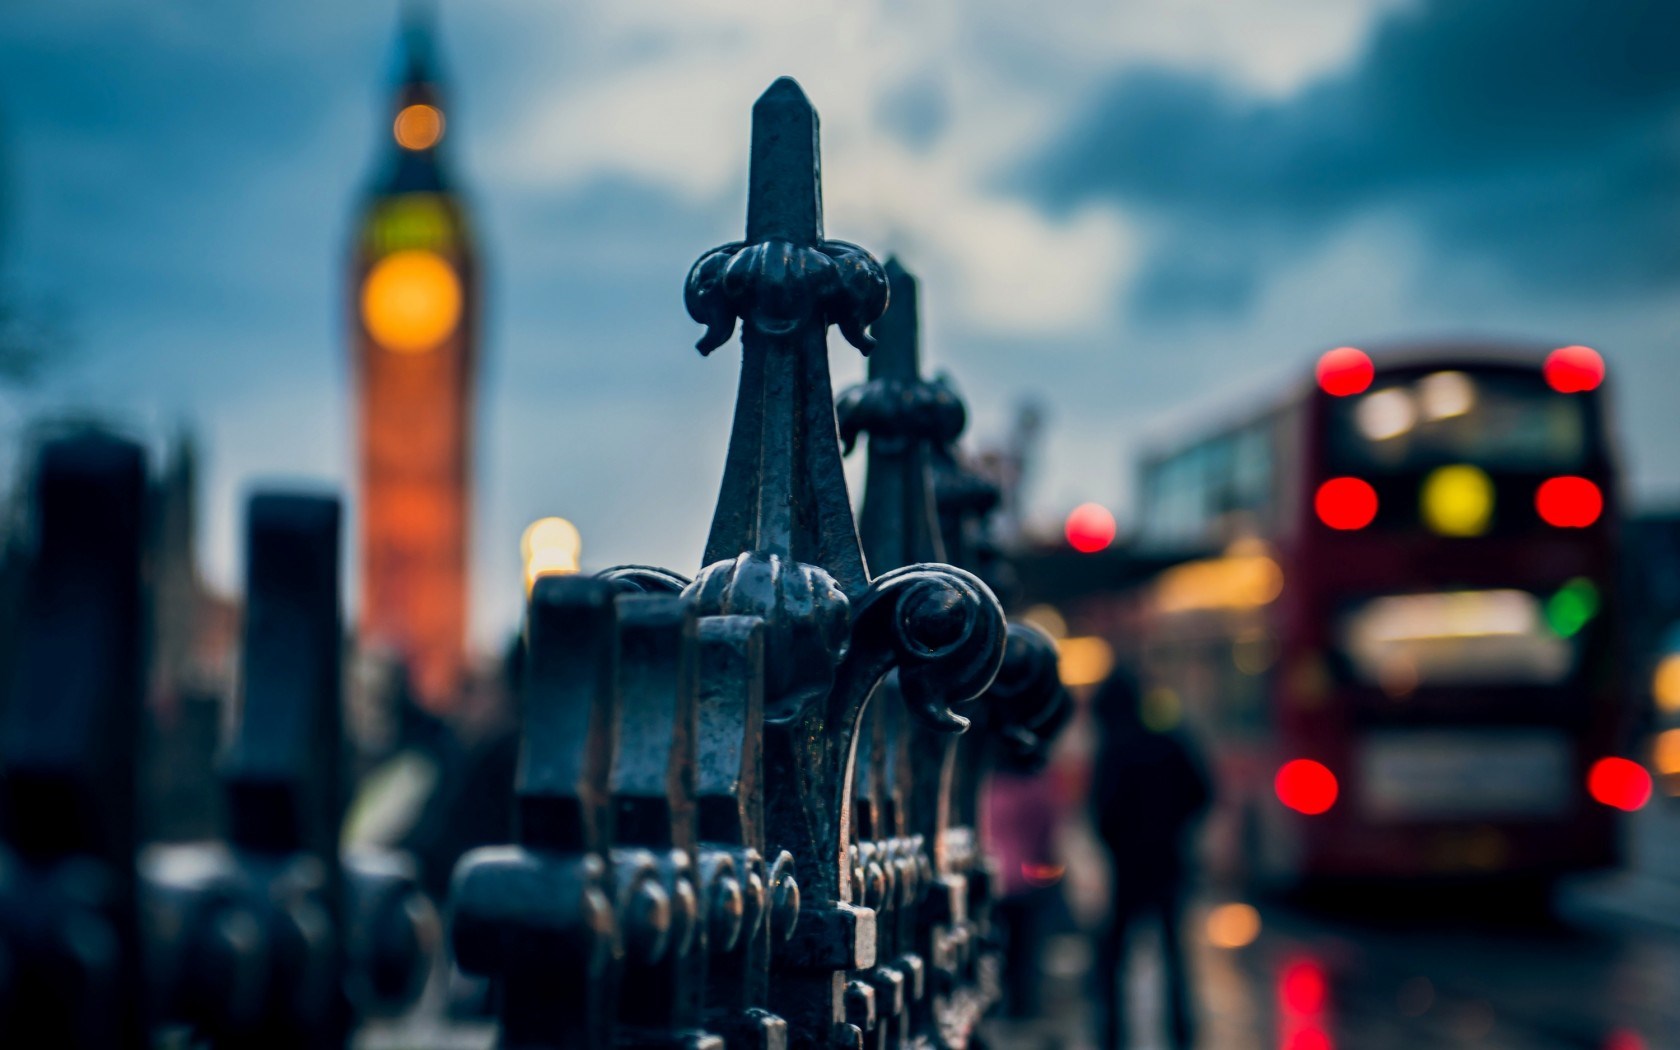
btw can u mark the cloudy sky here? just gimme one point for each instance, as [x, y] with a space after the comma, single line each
[1143, 213]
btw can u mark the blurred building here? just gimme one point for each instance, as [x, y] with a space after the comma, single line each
[194, 655]
[414, 307]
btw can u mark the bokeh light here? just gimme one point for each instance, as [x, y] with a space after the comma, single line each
[1345, 371]
[1160, 710]
[1306, 786]
[1048, 619]
[1346, 504]
[418, 127]
[1572, 607]
[411, 301]
[1665, 684]
[1568, 502]
[1085, 660]
[1457, 500]
[1090, 528]
[550, 546]
[1233, 925]
[1304, 987]
[1386, 414]
[1665, 752]
[1443, 395]
[1619, 783]
[1573, 369]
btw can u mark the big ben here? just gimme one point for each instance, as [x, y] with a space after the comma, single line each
[414, 311]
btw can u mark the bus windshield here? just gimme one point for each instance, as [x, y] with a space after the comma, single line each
[1493, 420]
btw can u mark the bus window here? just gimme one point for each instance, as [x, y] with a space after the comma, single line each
[1497, 421]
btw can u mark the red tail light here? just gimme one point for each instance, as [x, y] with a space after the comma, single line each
[1346, 503]
[1089, 528]
[1304, 987]
[1619, 784]
[1568, 502]
[1344, 371]
[1306, 786]
[1573, 369]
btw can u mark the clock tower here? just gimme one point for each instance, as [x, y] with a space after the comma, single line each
[413, 306]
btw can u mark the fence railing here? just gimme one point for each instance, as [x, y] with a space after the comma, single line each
[747, 803]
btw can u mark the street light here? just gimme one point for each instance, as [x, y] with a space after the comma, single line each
[550, 547]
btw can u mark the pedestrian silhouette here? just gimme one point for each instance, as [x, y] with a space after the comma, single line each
[1149, 790]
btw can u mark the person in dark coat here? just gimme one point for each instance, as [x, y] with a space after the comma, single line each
[1149, 790]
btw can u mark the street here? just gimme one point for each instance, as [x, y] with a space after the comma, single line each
[1415, 970]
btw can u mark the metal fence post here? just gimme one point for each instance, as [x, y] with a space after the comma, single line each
[784, 548]
[543, 917]
[69, 924]
[913, 423]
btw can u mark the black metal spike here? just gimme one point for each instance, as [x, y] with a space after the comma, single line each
[784, 179]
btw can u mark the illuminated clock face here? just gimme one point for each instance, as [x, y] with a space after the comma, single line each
[418, 127]
[411, 301]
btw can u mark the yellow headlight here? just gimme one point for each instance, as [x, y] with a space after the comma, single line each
[1458, 500]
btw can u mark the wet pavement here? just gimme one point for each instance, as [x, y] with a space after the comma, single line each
[1431, 970]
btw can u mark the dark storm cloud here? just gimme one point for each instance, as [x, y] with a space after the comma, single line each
[1543, 136]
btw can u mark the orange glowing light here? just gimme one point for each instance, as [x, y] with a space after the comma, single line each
[550, 547]
[1568, 502]
[1234, 925]
[418, 127]
[1619, 783]
[411, 301]
[1665, 684]
[1573, 369]
[1346, 504]
[1345, 371]
[1665, 752]
[1245, 577]
[1306, 786]
[1090, 528]
[1084, 660]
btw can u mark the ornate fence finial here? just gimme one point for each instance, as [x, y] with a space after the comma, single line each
[784, 548]
[784, 492]
[904, 415]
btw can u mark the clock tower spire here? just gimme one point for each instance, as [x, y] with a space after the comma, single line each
[413, 305]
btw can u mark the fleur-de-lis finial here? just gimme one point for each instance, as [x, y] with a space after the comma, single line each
[784, 491]
[905, 416]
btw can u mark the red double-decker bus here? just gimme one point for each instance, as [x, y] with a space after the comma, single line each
[1389, 615]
